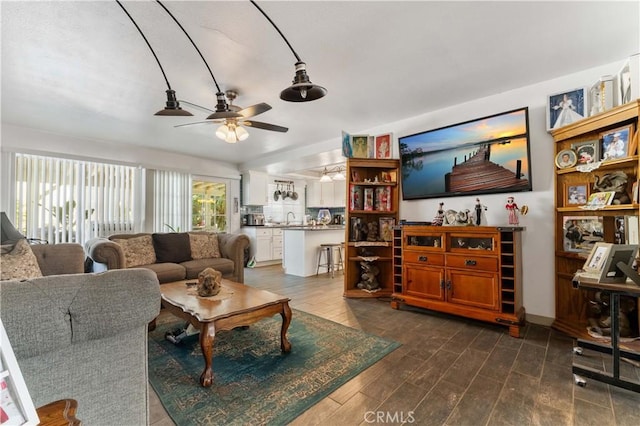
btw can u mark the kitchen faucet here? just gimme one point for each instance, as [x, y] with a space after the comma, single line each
[290, 213]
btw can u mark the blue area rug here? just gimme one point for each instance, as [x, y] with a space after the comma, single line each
[254, 382]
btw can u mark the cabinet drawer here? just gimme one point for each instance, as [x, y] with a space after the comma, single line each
[471, 262]
[276, 231]
[432, 259]
[262, 232]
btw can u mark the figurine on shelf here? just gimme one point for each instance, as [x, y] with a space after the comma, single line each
[372, 231]
[481, 218]
[439, 219]
[369, 277]
[512, 209]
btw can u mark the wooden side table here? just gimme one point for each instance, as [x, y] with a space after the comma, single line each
[59, 413]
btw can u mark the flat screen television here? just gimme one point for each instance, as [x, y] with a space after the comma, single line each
[482, 156]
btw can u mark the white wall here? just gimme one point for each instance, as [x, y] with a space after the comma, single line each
[538, 238]
[21, 139]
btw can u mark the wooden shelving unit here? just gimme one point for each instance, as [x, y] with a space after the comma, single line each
[572, 305]
[380, 179]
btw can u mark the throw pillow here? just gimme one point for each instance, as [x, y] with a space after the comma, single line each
[138, 251]
[18, 262]
[204, 246]
[172, 247]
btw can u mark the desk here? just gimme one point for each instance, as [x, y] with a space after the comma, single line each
[615, 290]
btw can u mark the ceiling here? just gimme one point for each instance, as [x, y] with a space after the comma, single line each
[82, 69]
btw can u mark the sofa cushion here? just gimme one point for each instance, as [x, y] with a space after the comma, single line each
[172, 247]
[194, 267]
[18, 262]
[167, 272]
[204, 246]
[137, 251]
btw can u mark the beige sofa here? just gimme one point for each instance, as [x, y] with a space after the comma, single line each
[172, 256]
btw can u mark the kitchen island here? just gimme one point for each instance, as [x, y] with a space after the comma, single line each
[301, 244]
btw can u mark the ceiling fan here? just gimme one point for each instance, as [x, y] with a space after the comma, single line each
[234, 117]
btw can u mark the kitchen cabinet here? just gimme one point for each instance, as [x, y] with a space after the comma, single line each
[265, 244]
[475, 272]
[379, 178]
[255, 188]
[326, 194]
[574, 306]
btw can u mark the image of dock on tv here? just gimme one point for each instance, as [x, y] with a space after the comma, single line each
[481, 156]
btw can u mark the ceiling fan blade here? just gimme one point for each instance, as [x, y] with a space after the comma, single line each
[221, 115]
[196, 105]
[254, 110]
[265, 126]
[197, 122]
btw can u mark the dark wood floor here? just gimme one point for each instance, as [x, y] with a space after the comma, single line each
[449, 370]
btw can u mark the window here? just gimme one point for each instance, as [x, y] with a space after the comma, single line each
[62, 200]
[209, 206]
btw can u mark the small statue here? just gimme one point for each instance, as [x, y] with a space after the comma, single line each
[209, 282]
[454, 218]
[369, 276]
[481, 218]
[439, 219]
[512, 209]
[372, 231]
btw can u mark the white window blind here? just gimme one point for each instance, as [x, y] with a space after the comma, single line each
[62, 200]
[172, 201]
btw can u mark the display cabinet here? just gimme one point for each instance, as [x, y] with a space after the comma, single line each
[578, 224]
[371, 215]
[471, 271]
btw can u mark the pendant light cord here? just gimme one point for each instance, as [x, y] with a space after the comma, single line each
[277, 29]
[148, 44]
[194, 45]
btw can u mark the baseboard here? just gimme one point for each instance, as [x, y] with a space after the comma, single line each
[540, 320]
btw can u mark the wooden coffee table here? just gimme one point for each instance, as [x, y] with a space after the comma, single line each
[245, 306]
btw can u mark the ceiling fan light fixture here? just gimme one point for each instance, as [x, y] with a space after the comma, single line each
[241, 133]
[173, 107]
[302, 89]
[222, 131]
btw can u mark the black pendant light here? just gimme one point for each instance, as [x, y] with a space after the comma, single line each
[173, 106]
[302, 89]
[222, 107]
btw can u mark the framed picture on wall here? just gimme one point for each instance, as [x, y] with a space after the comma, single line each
[567, 107]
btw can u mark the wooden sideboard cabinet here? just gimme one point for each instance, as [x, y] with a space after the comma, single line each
[475, 272]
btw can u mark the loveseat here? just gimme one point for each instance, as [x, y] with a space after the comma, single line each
[172, 256]
[83, 336]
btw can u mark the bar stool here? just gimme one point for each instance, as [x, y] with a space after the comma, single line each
[333, 261]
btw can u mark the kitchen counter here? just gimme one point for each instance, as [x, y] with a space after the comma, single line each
[301, 244]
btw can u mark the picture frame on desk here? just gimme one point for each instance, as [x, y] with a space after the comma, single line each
[567, 107]
[616, 142]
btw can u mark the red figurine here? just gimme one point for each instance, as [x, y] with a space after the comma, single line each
[513, 210]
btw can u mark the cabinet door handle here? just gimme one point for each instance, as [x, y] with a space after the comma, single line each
[422, 258]
[470, 262]
[448, 284]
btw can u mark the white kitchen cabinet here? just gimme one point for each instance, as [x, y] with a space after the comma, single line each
[255, 188]
[265, 244]
[326, 195]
